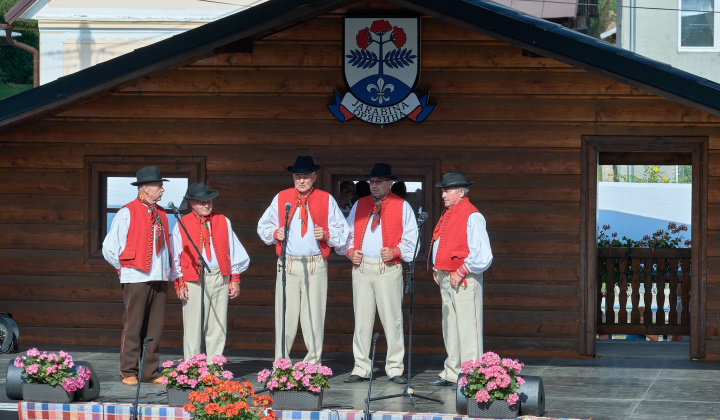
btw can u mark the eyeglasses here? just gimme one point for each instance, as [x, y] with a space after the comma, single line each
[379, 181]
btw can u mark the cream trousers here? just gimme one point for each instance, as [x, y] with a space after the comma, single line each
[306, 296]
[462, 322]
[216, 305]
[377, 285]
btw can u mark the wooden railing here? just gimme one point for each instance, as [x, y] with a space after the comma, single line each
[622, 271]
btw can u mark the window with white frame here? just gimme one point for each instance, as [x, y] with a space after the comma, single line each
[697, 23]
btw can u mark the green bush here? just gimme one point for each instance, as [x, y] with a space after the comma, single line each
[16, 65]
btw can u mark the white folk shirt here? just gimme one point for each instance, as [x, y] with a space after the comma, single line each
[115, 243]
[372, 241]
[239, 259]
[480, 256]
[297, 245]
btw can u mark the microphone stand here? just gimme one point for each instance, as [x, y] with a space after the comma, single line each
[372, 369]
[282, 264]
[410, 287]
[204, 265]
[284, 275]
[137, 392]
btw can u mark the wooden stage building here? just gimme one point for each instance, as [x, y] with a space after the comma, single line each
[525, 107]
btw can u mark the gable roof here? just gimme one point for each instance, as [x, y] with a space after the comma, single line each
[505, 24]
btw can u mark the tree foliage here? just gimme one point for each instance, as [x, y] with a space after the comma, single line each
[16, 65]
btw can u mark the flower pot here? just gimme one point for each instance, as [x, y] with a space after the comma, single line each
[46, 393]
[296, 400]
[178, 397]
[498, 409]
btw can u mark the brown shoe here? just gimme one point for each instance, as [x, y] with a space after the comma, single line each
[157, 380]
[130, 380]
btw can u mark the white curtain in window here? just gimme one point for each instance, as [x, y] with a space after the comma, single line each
[696, 7]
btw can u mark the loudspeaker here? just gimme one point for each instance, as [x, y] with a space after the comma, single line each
[460, 398]
[532, 396]
[13, 381]
[91, 390]
[9, 333]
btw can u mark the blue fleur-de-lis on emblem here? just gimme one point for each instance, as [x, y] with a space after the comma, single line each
[380, 88]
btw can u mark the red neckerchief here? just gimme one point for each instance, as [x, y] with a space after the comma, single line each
[302, 203]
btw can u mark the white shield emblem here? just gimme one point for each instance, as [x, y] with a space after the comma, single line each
[381, 67]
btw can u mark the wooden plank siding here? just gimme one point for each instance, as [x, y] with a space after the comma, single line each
[512, 123]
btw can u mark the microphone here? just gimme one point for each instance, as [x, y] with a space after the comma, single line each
[287, 207]
[422, 218]
[172, 206]
[147, 339]
[375, 337]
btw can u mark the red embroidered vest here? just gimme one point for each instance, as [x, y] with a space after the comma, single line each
[453, 247]
[318, 202]
[139, 249]
[391, 221]
[218, 238]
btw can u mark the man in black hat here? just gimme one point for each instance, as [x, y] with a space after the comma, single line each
[315, 225]
[225, 256]
[137, 246]
[383, 233]
[460, 252]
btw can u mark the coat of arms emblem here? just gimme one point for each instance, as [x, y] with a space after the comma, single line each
[381, 67]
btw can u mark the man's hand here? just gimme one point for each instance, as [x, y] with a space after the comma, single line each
[234, 290]
[182, 294]
[386, 254]
[455, 280]
[435, 277]
[319, 233]
[356, 257]
[280, 234]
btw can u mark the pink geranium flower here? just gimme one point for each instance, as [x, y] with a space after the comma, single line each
[44, 368]
[194, 372]
[302, 376]
[491, 378]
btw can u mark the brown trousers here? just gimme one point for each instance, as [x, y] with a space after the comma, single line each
[144, 317]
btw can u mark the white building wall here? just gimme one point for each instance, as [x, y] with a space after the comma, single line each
[657, 37]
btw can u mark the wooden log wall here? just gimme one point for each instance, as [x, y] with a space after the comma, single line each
[513, 123]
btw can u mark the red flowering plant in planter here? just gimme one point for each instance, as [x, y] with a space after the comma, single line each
[227, 400]
[302, 376]
[491, 378]
[52, 369]
[190, 373]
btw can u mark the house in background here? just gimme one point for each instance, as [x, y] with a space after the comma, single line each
[682, 33]
[76, 34]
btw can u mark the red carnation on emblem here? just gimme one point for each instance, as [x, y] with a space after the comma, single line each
[363, 38]
[380, 26]
[399, 37]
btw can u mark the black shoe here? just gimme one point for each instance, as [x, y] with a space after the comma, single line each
[398, 380]
[440, 382]
[354, 379]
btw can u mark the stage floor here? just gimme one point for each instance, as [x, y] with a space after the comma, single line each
[614, 386]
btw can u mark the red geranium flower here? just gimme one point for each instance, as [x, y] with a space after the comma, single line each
[363, 38]
[399, 37]
[380, 26]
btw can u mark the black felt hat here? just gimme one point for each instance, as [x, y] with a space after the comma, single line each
[453, 179]
[381, 170]
[147, 174]
[303, 165]
[200, 191]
